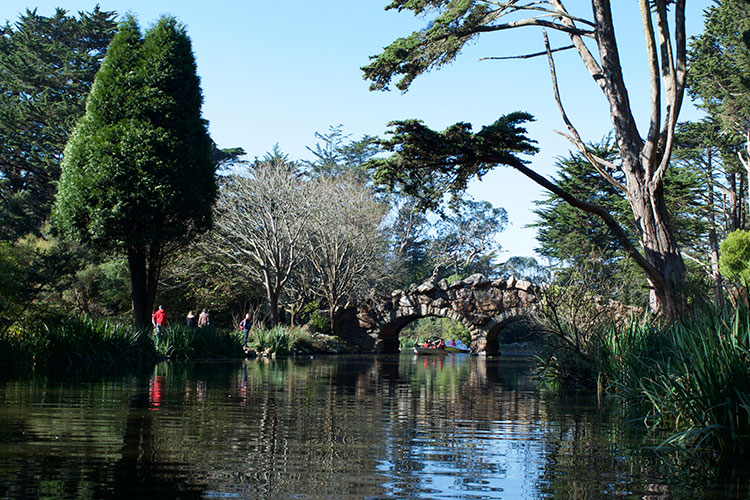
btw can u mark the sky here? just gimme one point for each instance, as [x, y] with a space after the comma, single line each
[278, 72]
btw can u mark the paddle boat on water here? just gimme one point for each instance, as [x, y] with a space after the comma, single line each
[430, 351]
[441, 348]
[456, 346]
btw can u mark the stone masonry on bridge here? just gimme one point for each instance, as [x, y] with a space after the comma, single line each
[484, 306]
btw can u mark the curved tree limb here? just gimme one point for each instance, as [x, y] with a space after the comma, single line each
[526, 56]
[599, 211]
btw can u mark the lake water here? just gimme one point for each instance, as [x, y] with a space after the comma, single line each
[344, 427]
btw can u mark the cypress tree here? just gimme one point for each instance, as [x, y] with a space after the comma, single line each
[47, 66]
[137, 173]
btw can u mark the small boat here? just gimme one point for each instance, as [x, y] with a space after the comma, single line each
[430, 351]
[456, 346]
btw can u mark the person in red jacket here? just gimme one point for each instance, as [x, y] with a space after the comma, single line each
[159, 319]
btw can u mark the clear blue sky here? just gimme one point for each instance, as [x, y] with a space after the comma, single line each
[277, 72]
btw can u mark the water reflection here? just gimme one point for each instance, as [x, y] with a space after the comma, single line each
[339, 427]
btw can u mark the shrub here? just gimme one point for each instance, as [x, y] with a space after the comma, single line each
[734, 257]
[77, 343]
[283, 340]
[320, 322]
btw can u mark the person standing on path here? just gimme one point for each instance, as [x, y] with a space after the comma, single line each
[245, 325]
[190, 319]
[203, 319]
[159, 319]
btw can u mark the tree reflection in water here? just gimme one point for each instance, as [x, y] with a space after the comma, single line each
[336, 427]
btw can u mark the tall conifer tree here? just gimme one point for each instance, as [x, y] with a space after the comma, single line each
[47, 65]
[137, 173]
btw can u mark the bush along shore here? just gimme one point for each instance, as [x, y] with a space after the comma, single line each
[102, 345]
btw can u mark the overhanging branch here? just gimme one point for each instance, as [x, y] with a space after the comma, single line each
[601, 212]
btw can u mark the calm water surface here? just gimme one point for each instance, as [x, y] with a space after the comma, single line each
[334, 427]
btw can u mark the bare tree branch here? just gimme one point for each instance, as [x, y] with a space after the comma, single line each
[575, 138]
[526, 56]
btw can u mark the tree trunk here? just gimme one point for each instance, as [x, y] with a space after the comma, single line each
[139, 288]
[332, 318]
[645, 161]
[659, 245]
[153, 272]
[713, 242]
[733, 221]
[273, 303]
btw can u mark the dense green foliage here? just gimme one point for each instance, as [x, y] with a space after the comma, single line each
[138, 173]
[427, 164]
[456, 24]
[56, 344]
[48, 65]
[734, 259]
[179, 342]
[719, 62]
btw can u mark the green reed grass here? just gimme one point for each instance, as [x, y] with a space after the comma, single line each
[280, 339]
[76, 343]
[692, 375]
[181, 342]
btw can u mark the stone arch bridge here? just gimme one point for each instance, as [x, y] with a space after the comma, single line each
[484, 306]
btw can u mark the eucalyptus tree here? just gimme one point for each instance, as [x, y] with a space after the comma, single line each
[47, 66]
[458, 154]
[336, 154]
[525, 268]
[263, 216]
[411, 235]
[137, 173]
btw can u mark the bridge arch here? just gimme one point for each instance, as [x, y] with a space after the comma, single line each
[483, 306]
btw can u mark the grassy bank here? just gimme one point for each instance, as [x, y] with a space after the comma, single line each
[283, 340]
[184, 343]
[86, 344]
[74, 343]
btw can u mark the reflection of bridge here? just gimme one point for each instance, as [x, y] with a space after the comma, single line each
[483, 306]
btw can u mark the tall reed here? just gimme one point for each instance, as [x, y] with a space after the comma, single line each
[181, 342]
[281, 339]
[76, 343]
[692, 375]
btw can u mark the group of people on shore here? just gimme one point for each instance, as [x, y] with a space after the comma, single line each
[159, 319]
[203, 319]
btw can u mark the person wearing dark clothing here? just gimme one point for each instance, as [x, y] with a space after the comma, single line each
[246, 324]
[190, 319]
